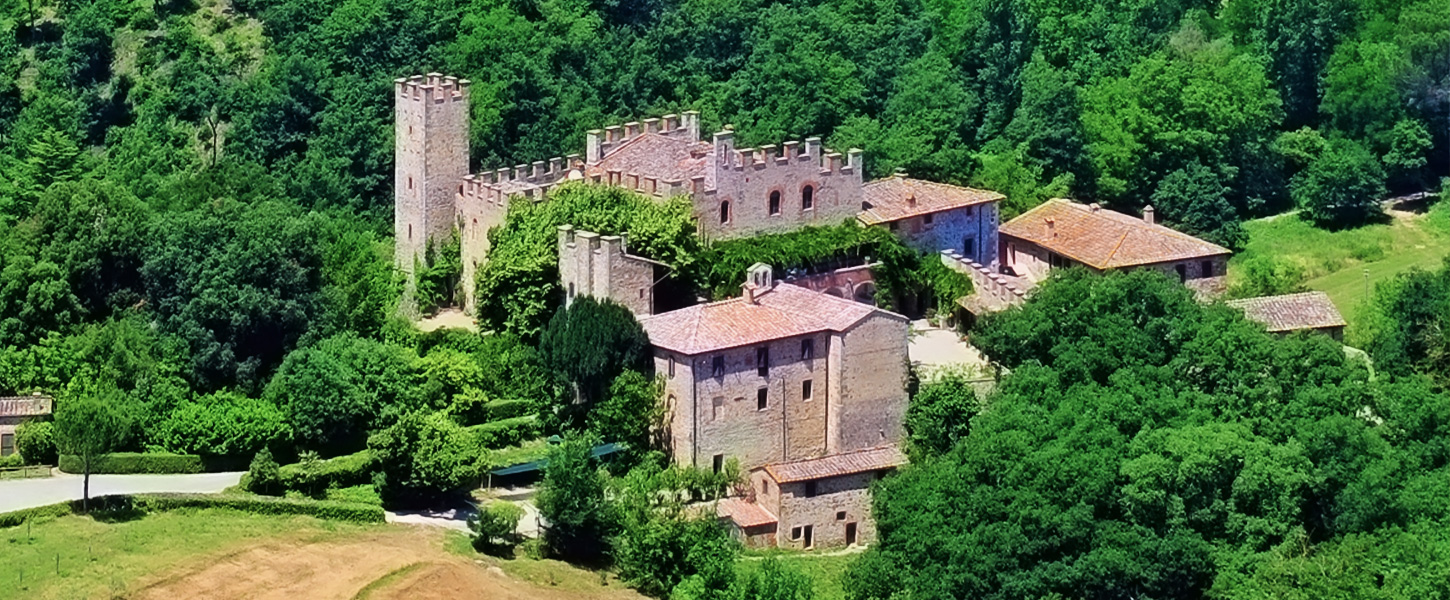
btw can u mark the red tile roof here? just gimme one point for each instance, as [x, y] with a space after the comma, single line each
[1291, 312]
[835, 465]
[745, 514]
[654, 155]
[786, 310]
[25, 406]
[1104, 239]
[896, 198]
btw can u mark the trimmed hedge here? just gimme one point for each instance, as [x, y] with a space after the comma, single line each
[314, 478]
[499, 410]
[508, 432]
[152, 463]
[148, 503]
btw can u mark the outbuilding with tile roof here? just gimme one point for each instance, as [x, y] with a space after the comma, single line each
[1287, 313]
[933, 217]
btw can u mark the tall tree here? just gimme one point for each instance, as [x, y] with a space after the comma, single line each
[90, 427]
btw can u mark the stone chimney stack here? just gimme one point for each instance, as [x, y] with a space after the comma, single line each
[1148, 214]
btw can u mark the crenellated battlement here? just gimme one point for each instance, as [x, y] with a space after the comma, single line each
[600, 142]
[789, 154]
[532, 180]
[432, 87]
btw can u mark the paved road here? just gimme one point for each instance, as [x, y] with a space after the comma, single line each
[27, 493]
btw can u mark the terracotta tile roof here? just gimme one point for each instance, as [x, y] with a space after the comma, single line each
[654, 155]
[1291, 312]
[896, 198]
[845, 463]
[25, 406]
[1104, 239]
[745, 514]
[785, 310]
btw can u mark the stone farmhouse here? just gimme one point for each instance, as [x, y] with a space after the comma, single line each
[736, 192]
[805, 390]
[1285, 314]
[15, 410]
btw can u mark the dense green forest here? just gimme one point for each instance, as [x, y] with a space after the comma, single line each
[195, 246]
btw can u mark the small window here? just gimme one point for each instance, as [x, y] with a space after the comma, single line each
[460, 190]
[672, 367]
[1182, 272]
[969, 246]
[928, 218]
[725, 212]
[641, 293]
[762, 361]
[840, 515]
[808, 349]
[762, 399]
[795, 533]
[971, 211]
[806, 389]
[410, 232]
[7, 444]
[775, 203]
[808, 198]
[717, 404]
[894, 225]
[810, 489]
[571, 290]
[717, 367]
[410, 182]
[718, 463]
[1206, 269]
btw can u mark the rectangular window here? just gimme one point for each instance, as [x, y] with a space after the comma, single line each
[762, 361]
[808, 349]
[928, 218]
[969, 247]
[840, 515]
[810, 489]
[717, 367]
[795, 533]
[1182, 272]
[806, 389]
[7, 444]
[672, 367]
[893, 226]
[718, 463]
[1206, 269]
[717, 404]
[762, 399]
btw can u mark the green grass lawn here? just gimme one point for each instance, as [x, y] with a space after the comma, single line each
[824, 569]
[97, 559]
[1344, 264]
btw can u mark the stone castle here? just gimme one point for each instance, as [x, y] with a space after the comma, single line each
[736, 192]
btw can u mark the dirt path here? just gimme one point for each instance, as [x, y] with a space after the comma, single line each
[400, 563]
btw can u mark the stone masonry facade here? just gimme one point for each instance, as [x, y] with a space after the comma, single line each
[600, 266]
[431, 133]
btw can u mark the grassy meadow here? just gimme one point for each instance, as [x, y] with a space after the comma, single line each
[1347, 264]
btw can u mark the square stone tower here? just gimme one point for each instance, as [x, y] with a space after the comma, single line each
[431, 130]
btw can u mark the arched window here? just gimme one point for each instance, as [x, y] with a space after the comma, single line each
[808, 197]
[724, 212]
[775, 203]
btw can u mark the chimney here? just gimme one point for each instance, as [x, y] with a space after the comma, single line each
[911, 199]
[1051, 226]
[1094, 207]
[1148, 214]
[750, 292]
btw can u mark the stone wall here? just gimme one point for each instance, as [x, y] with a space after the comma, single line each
[872, 400]
[600, 266]
[431, 133]
[745, 179]
[953, 230]
[722, 415]
[1205, 276]
[849, 494]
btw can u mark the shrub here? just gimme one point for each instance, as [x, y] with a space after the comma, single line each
[225, 423]
[13, 460]
[358, 494]
[264, 476]
[154, 463]
[496, 525]
[508, 432]
[261, 505]
[421, 457]
[36, 442]
[499, 410]
[313, 477]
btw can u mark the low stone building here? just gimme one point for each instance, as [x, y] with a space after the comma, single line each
[1284, 314]
[933, 217]
[15, 410]
[812, 503]
[1061, 233]
[779, 374]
